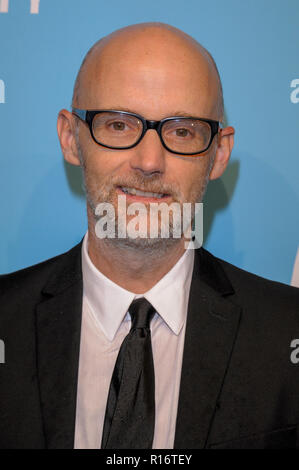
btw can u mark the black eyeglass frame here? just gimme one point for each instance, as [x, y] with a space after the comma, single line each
[87, 116]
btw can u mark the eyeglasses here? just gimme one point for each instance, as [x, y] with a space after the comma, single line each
[122, 130]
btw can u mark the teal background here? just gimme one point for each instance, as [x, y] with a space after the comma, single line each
[250, 214]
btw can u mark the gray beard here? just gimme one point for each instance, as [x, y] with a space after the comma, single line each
[150, 246]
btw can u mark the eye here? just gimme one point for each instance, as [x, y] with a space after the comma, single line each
[182, 132]
[179, 129]
[118, 125]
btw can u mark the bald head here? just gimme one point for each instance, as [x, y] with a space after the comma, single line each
[158, 52]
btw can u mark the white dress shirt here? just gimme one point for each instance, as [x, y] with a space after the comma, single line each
[106, 322]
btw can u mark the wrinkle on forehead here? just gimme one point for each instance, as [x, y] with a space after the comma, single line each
[146, 46]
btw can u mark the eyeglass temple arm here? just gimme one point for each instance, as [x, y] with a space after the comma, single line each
[80, 113]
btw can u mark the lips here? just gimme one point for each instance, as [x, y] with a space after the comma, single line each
[138, 192]
[141, 195]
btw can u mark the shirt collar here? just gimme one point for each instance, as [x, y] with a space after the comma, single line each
[109, 302]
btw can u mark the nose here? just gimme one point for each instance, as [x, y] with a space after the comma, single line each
[149, 155]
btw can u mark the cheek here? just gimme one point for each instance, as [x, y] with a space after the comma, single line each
[191, 175]
[102, 164]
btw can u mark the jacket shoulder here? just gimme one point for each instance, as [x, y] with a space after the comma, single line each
[256, 290]
[239, 276]
[33, 278]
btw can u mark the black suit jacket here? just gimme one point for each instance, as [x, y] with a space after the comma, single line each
[239, 387]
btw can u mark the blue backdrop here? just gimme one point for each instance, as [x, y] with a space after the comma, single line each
[250, 214]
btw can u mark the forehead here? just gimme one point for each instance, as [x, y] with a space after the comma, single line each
[150, 80]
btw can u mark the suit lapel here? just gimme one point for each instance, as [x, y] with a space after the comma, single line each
[212, 324]
[58, 325]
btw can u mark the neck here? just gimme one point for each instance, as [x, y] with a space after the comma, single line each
[135, 269]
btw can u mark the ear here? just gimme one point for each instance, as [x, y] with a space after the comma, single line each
[223, 152]
[66, 134]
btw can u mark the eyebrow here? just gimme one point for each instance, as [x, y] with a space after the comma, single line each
[176, 113]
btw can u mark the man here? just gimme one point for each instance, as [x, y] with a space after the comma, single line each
[138, 342]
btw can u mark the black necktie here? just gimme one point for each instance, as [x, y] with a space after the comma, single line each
[130, 411]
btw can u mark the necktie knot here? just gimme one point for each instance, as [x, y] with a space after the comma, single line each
[141, 312]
